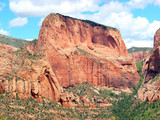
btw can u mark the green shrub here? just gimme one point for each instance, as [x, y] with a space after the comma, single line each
[82, 51]
[139, 65]
[2, 117]
[155, 78]
[16, 52]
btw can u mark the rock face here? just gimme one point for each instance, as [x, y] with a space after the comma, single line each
[7, 60]
[151, 65]
[157, 39]
[30, 46]
[38, 80]
[138, 56]
[150, 89]
[150, 92]
[27, 77]
[83, 51]
[1, 88]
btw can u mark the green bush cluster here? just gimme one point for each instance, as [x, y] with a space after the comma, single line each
[129, 108]
[139, 65]
[82, 51]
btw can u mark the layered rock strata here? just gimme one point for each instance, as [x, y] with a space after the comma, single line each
[83, 51]
[27, 77]
[138, 56]
[157, 39]
[150, 90]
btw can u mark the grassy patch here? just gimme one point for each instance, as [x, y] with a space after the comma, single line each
[16, 52]
[155, 78]
[139, 65]
[82, 51]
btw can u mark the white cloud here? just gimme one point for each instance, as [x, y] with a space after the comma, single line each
[142, 3]
[157, 2]
[136, 43]
[134, 29]
[112, 13]
[29, 39]
[139, 3]
[18, 22]
[40, 22]
[29, 8]
[3, 32]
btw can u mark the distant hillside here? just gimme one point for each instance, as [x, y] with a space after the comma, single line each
[138, 49]
[12, 41]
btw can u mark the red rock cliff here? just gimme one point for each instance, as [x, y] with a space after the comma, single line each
[27, 77]
[138, 56]
[150, 89]
[157, 39]
[84, 51]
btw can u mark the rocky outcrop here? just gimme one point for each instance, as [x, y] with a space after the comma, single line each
[27, 77]
[138, 56]
[7, 60]
[157, 39]
[84, 51]
[39, 80]
[150, 90]
[1, 88]
[30, 46]
[151, 65]
[69, 100]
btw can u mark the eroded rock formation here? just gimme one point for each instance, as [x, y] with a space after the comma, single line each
[7, 60]
[38, 79]
[138, 56]
[157, 39]
[150, 89]
[83, 51]
[27, 77]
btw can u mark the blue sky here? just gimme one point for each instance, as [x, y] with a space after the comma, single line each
[137, 20]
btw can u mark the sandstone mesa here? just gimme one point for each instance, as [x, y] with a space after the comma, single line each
[83, 51]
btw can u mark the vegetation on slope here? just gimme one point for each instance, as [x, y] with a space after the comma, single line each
[130, 109]
[139, 49]
[125, 107]
[12, 41]
[139, 65]
[14, 108]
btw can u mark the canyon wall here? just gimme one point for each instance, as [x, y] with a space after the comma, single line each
[84, 51]
[150, 90]
[157, 39]
[138, 56]
[26, 76]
